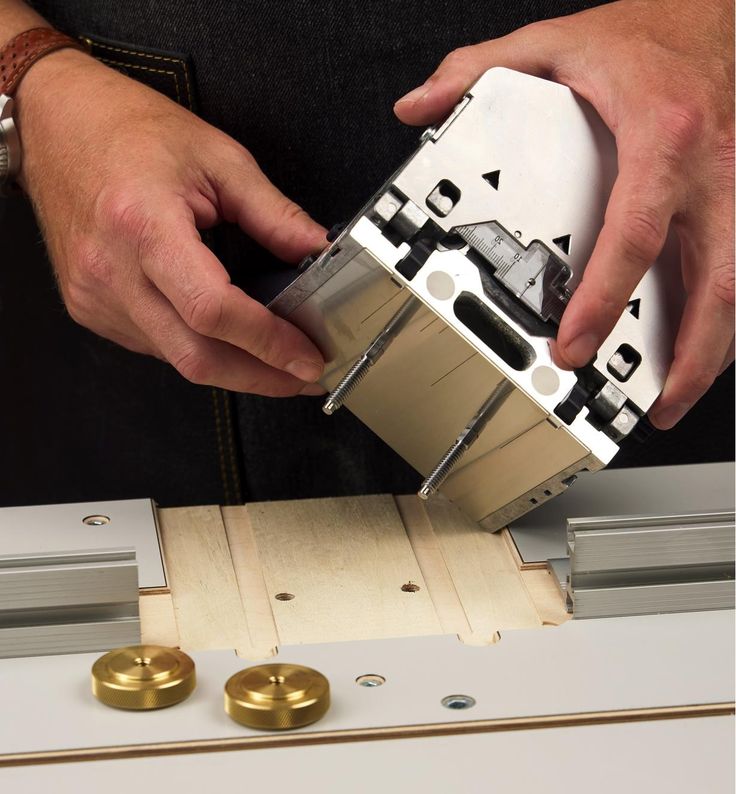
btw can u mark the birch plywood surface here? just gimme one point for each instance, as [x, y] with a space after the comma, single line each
[324, 570]
[345, 561]
[207, 604]
[486, 577]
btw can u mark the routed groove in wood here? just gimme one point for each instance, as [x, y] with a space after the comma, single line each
[324, 570]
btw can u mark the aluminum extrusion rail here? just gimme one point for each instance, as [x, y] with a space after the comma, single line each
[637, 565]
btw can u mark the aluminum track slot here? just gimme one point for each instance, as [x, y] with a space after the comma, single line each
[637, 565]
[68, 602]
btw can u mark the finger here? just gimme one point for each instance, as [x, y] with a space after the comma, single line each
[706, 336]
[532, 49]
[637, 220]
[208, 361]
[263, 212]
[197, 285]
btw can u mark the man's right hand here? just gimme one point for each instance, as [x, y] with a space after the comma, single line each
[121, 179]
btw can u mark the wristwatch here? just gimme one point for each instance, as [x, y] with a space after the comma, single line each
[16, 57]
[9, 143]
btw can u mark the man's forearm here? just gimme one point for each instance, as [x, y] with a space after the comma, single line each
[15, 17]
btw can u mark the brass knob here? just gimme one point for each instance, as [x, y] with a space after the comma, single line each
[277, 696]
[143, 677]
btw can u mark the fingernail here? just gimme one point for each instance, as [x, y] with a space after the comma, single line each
[416, 94]
[582, 348]
[312, 390]
[307, 371]
[668, 417]
[555, 354]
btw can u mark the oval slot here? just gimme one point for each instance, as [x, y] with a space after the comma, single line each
[506, 343]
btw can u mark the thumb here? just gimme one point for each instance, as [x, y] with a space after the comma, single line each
[263, 212]
[531, 49]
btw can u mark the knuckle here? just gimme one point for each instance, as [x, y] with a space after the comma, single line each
[233, 160]
[725, 148]
[723, 284]
[123, 212]
[642, 231]
[91, 265]
[75, 305]
[203, 312]
[292, 216]
[457, 60]
[725, 160]
[545, 28]
[285, 234]
[262, 343]
[192, 364]
[679, 125]
[698, 384]
[239, 153]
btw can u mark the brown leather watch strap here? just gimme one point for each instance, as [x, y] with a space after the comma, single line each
[22, 51]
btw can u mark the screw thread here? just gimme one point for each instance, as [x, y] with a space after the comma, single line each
[442, 470]
[463, 442]
[345, 387]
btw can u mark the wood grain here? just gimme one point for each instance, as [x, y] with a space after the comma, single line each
[344, 560]
[426, 548]
[545, 594]
[207, 604]
[158, 623]
[485, 575]
[259, 619]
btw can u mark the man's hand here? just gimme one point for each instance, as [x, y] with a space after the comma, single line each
[660, 74]
[122, 179]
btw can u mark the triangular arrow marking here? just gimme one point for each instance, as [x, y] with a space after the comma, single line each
[563, 243]
[633, 307]
[492, 178]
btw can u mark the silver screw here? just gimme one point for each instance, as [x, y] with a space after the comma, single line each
[465, 440]
[458, 702]
[375, 350]
[370, 680]
[344, 388]
[96, 521]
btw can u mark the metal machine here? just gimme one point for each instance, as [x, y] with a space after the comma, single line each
[435, 305]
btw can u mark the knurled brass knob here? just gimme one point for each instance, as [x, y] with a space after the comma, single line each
[277, 696]
[143, 677]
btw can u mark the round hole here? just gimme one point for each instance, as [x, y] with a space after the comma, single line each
[370, 680]
[410, 587]
[284, 596]
[458, 702]
[96, 521]
[517, 234]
